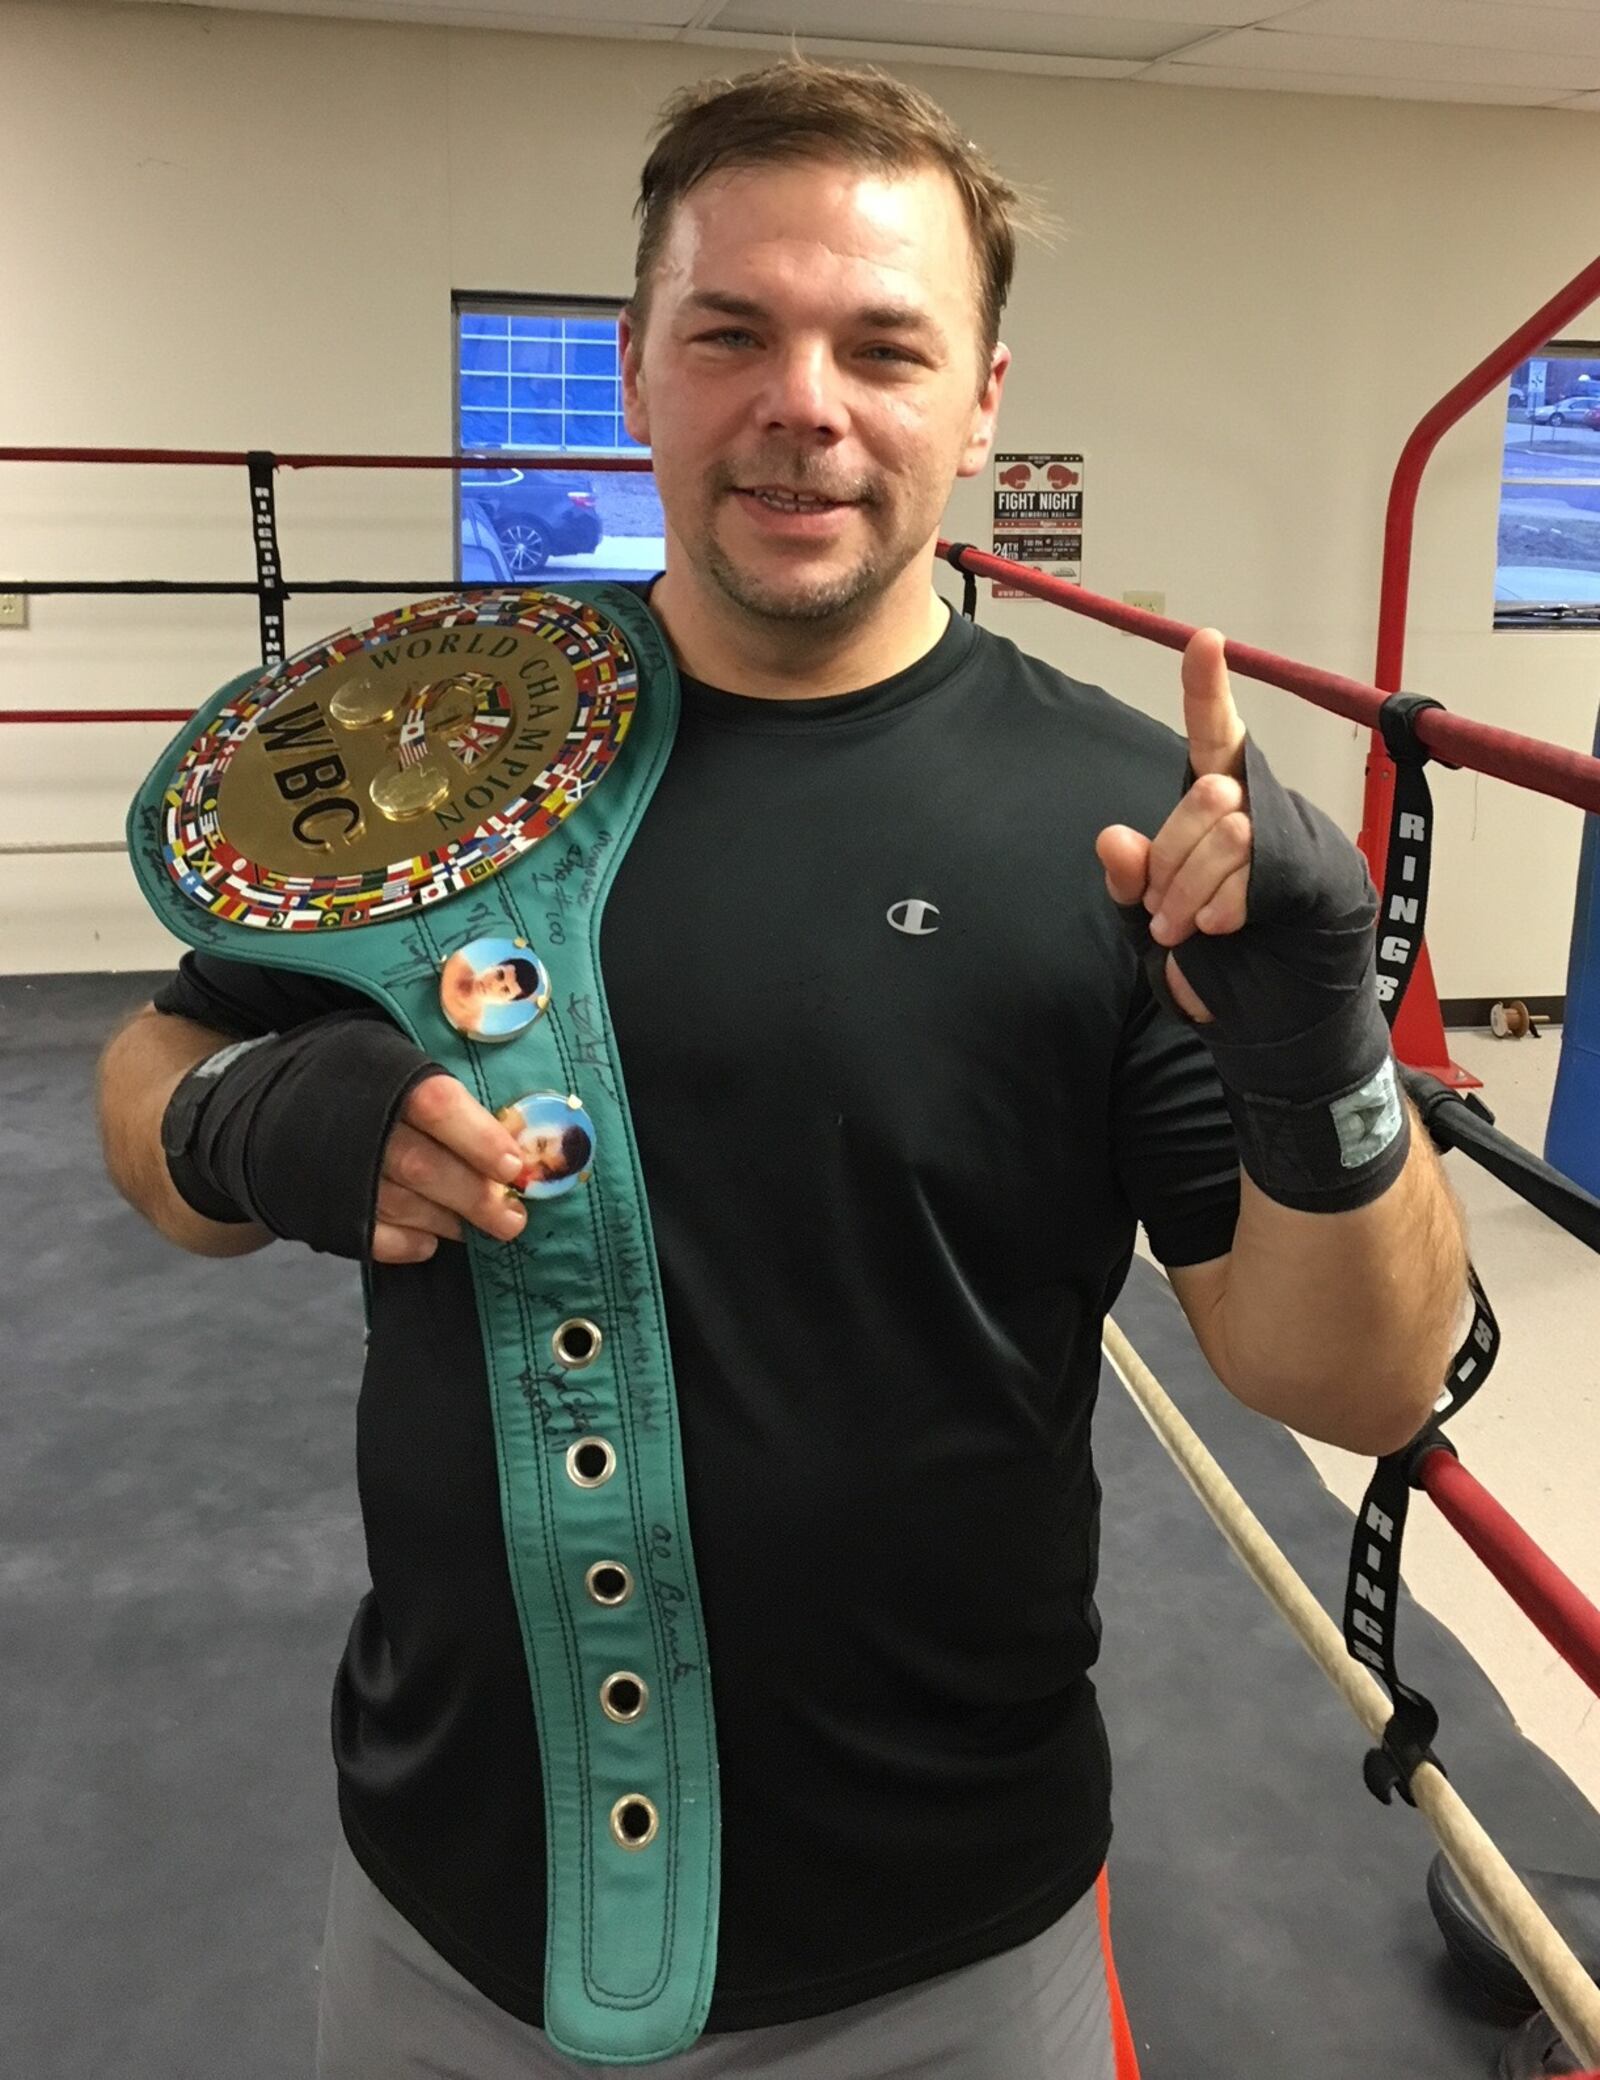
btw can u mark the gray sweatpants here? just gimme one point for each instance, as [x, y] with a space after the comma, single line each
[392, 2009]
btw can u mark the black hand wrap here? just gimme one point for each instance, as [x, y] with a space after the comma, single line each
[290, 1130]
[1298, 1034]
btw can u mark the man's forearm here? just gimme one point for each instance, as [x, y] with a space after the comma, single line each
[1341, 1324]
[139, 1070]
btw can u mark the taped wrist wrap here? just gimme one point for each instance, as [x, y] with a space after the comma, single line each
[1298, 1034]
[290, 1130]
[1328, 1153]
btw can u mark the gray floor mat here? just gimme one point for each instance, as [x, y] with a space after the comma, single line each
[180, 1558]
[1270, 1914]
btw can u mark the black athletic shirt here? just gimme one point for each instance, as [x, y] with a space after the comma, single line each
[901, 1093]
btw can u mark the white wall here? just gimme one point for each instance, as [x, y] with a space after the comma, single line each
[243, 231]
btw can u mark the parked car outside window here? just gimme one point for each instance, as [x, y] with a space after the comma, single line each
[1576, 410]
[536, 514]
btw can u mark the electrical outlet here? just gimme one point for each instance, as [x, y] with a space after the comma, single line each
[1152, 602]
[13, 610]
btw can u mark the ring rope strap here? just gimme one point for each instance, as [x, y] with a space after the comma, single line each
[969, 584]
[1567, 1993]
[1372, 1587]
[1460, 1119]
[269, 564]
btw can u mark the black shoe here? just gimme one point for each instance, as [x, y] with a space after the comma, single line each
[1572, 1903]
[1536, 2049]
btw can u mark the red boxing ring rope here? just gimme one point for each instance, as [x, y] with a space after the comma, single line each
[101, 715]
[1566, 1617]
[1570, 776]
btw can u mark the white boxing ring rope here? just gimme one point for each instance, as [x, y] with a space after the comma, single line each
[27, 849]
[1569, 1996]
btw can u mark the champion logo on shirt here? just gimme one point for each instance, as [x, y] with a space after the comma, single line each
[914, 916]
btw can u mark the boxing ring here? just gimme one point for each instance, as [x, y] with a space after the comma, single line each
[1408, 731]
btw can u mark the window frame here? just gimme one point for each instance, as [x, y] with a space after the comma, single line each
[1523, 617]
[465, 303]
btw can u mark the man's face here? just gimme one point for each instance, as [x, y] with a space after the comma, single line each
[542, 1156]
[499, 985]
[813, 330]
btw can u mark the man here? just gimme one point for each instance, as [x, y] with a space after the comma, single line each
[548, 1152]
[466, 992]
[894, 1175]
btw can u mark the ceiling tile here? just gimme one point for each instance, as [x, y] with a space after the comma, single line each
[956, 26]
[647, 14]
[1165, 75]
[858, 49]
[1194, 14]
[1194, 17]
[1474, 24]
[546, 14]
[563, 17]
[1190, 17]
[1350, 57]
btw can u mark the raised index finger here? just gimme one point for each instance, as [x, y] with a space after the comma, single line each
[1212, 723]
[446, 1110]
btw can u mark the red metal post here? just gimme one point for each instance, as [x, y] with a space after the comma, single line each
[1419, 1039]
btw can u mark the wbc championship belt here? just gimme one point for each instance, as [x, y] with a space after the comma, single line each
[431, 810]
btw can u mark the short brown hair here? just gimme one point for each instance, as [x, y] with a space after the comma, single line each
[800, 110]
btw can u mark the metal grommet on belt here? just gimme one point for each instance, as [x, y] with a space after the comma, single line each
[609, 1582]
[590, 1462]
[576, 1343]
[624, 1696]
[634, 1821]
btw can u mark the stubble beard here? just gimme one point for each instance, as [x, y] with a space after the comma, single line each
[838, 600]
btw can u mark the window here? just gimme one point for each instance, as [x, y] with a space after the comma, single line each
[543, 377]
[1549, 558]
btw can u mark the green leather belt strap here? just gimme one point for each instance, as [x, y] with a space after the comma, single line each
[533, 727]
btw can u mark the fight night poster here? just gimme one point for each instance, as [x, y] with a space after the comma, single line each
[1038, 516]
